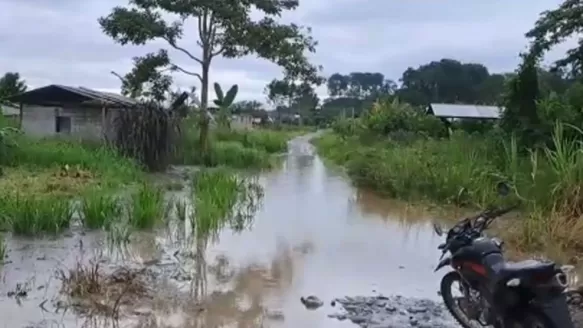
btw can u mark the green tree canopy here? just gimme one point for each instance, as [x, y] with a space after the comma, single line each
[359, 85]
[11, 84]
[554, 27]
[450, 81]
[225, 28]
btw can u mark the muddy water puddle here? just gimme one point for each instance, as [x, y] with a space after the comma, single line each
[313, 235]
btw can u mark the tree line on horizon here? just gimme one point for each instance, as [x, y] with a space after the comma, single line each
[229, 31]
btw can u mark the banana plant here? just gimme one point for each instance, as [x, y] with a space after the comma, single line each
[224, 102]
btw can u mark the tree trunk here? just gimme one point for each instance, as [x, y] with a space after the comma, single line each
[204, 117]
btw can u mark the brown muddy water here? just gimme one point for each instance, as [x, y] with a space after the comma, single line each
[314, 235]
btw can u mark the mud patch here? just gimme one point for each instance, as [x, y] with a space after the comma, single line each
[395, 311]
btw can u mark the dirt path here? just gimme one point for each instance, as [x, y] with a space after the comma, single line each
[314, 235]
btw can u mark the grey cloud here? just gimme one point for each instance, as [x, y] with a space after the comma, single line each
[59, 41]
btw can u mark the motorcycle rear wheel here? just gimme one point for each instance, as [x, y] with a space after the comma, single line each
[451, 304]
[535, 319]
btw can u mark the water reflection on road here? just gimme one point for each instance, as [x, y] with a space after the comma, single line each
[320, 236]
[314, 235]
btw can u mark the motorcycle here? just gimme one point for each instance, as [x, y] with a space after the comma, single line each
[496, 292]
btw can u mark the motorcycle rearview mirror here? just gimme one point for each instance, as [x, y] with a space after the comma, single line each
[437, 228]
[503, 189]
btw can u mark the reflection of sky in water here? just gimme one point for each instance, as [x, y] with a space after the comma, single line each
[353, 251]
[314, 235]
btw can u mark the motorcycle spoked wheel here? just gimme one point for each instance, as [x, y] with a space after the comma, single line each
[536, 320]
[532, 319]
[452, 304]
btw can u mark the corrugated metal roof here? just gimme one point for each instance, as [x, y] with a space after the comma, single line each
[82, 94]
[465, 111]
[104, 96]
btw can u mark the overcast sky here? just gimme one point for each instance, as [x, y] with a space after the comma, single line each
[59, 41]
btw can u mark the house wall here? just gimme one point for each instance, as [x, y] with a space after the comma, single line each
[242, 122]
[86, 123]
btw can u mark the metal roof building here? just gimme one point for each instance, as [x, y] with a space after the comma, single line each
[59, 94]
[465, 111]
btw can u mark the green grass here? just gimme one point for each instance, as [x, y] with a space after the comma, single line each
[219, 198]
[240, 149]
[41, 177]
[99, 210]
[269, 141]
[34, 214]
[463, 170]
[3, 250]
[147, 207]
[54, 152]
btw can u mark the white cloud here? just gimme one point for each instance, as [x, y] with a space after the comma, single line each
[60, 41]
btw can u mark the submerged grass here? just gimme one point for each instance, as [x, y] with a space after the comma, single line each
[463, 169]
[3, 250]
[99, 210]
[32, 214]
[147, 207]
[221, 197]
[97, 292]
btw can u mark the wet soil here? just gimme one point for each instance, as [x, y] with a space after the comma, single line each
[314, 235]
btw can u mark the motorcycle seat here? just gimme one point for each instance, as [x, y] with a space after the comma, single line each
[526, 267]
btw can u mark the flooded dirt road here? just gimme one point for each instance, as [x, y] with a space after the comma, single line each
[314, 235]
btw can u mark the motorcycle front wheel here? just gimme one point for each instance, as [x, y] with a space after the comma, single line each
[452, 303]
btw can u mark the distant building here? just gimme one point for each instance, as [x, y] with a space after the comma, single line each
[452, 112]
[242, 121]
[63, 110]
[10, 111]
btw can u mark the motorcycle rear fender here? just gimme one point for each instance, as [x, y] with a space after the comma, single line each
[446, 261]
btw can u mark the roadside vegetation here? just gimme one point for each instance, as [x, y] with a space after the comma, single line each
[389, 143]
[400, 151]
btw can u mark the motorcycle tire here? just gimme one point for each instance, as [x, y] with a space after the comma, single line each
[536, 319]
[454, 309]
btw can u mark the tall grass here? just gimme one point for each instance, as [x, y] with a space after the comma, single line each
[146, 207]
[51, 152]
[234, 148]
[100, 210]
[221, 197]
[270, 141]
[33, 214]
[463, 169]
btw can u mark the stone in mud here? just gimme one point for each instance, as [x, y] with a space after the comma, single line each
[311, 302]
[394, 311]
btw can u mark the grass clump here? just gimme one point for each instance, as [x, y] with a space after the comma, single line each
[146, 207]
[270, 141]
[33, 214]
[99, 210]
[3, 250]
[96, 292]
[239, 149]
[180, 209]
[220, 197]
